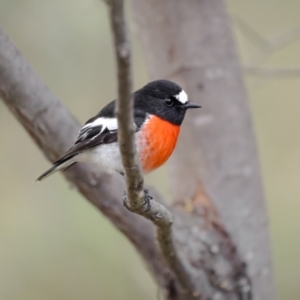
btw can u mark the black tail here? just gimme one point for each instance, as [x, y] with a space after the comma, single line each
[57, 167]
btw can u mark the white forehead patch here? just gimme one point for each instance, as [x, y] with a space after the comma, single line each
[182, 97]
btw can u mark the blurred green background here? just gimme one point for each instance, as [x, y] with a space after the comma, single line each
[53, 243]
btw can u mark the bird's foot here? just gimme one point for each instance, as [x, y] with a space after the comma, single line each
[147, 200]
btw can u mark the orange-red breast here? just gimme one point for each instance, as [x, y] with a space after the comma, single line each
[159, 109]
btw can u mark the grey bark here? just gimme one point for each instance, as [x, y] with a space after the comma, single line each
[191, 43]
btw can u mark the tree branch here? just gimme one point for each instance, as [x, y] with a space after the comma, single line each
[266, 47]
[136, 198]
[275, 43]
[267, 72]
[54, 130]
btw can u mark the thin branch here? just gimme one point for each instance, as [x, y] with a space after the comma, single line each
[275, 43]
[248, 30]
[136, 197]
[267, 72]
[269, 45]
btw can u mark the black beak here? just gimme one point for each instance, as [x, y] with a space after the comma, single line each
[191, 105]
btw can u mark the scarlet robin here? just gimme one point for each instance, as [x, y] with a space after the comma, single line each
[159, 109]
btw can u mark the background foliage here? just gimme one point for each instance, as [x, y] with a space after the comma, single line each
[55, 245]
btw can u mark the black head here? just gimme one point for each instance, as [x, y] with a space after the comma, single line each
[165, 99]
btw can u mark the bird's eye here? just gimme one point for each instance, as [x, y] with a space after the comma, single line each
[170, 101]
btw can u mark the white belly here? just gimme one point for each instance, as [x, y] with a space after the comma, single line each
[107, 156]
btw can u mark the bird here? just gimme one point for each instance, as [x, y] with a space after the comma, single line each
[159, 109]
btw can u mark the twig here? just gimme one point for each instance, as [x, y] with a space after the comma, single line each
[248, 30]
[267, 46]
[275, 43]
[136, 197]
[268, 72]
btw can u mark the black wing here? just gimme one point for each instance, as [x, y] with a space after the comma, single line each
[89, 138]
[101, 129]
[94, 133]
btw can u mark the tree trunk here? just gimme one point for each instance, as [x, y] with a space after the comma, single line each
[216, 162]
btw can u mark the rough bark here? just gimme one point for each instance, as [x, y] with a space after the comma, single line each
[215, 170]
